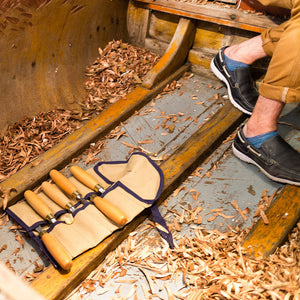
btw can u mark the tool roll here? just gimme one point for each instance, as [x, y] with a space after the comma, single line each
[131, 186]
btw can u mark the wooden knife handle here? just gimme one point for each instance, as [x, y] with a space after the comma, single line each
[84, 177]
[110, 210]
[37, 204]
[63, 182]
[57, 250]
[55, 194]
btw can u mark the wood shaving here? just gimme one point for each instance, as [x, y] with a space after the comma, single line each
[24, 141]
[20, 240]
[213, 266]
[242, 213]
[263, 205]
[195, 194]
[118, 70]
[4, 247]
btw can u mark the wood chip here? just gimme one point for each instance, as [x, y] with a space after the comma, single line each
[264, 217]
[235, 205]
[176, 192]
[176, 225]
[20, 240]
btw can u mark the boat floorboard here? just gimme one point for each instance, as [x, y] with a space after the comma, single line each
[223, 177]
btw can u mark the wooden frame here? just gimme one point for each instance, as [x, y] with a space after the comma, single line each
[212, 13]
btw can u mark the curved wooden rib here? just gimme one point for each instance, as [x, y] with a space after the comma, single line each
[175, 55]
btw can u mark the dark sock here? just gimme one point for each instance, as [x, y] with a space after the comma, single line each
[234, 64]
[258, 140]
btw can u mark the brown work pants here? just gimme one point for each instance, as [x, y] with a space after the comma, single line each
[282, 43]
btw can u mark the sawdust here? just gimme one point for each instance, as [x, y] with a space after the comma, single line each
[203, 265]
[212, 265]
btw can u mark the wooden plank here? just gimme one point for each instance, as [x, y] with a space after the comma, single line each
[175, 54]
[137, 24]
[282, 215]
[37, 171]
[54, 284]
[13, 288]
[212, 13]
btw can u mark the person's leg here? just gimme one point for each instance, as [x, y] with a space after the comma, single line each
[264, 117]
[258, 142]
[281, 43]
[247, 52]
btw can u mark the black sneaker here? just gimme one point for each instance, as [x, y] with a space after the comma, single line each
[241, 90]
[276, 158]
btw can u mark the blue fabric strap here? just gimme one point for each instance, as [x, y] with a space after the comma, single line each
[167, 235]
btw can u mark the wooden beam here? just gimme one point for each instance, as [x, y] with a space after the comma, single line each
[54, 284]
[282, 215]
[212, 13]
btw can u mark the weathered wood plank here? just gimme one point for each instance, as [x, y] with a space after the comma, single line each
[282, 215]
[137, 24]
[212, 13]
[54, 284]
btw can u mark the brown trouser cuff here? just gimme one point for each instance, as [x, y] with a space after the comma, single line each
[284, 94]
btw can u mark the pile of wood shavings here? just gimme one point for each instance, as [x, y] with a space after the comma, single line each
[26, 140]
[204, 265]
[118, 70]
[209, 265]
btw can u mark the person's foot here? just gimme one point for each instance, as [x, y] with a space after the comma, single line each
[275, 158]
[241, 90]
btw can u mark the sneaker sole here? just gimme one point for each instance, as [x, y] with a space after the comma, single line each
[223, 78]
[247, 159]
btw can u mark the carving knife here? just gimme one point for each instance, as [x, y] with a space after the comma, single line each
[57, 196]
[108, 209]
[66, 185]
[86, 179]
[54, 247]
